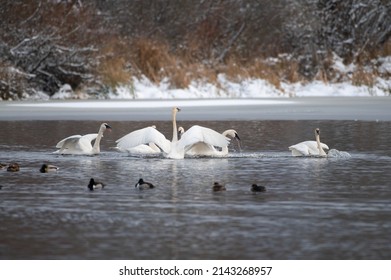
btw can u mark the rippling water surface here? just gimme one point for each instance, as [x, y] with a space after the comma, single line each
[314, 208]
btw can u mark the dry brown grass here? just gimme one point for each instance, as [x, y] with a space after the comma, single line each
[155, 60]
[363, 77]
[366, 71]
[12, 84]
[113, 72]
[277, 70]
[113, 59]
[385, 50]
[152, 59]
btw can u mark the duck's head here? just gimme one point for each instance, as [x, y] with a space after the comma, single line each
[48, 168]
[91, 184]
[140, 182]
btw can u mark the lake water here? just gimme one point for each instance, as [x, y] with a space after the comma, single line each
[314, 208]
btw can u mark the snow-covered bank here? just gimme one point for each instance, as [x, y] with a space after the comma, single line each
[249, 88]
[258, 88]
[224, 87]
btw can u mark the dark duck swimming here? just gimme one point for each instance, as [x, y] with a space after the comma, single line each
[217, 187]
[141, 184]
[45, 168]
[256, 188]
[93, 185]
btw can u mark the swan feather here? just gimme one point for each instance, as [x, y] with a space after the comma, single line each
[197, 134]
[78, 144]
[142, 136]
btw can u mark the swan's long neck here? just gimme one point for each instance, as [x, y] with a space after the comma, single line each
[225, 133]
[96, 147]
[174, 128]
[224, 150]
[321, 151]
[230, 132]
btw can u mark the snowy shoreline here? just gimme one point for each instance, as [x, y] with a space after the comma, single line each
[247, 88]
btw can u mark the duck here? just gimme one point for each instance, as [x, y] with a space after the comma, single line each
[2, 165]
[217, 187]
[256, 188]
[45, 168]
[95, 185]
[13, 167]
[141, 184]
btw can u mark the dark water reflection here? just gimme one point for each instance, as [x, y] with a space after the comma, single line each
[314, 208]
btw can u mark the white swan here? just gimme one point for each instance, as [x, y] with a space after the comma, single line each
[309, 148]
[176, 148]
[150, 148]
[136, 140]
[203, 149]
[81, 145]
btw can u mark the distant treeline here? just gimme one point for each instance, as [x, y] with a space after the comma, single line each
[96, 44]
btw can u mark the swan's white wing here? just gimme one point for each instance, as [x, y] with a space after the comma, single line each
[143, 149]
[302, 148]
[206, 135]
[200, 148]
[296, 152]
[76, 144]
[324, 146]
[142, 136]
[85, 142]
[68, 140]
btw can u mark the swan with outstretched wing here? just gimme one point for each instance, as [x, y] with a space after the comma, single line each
[81, 144]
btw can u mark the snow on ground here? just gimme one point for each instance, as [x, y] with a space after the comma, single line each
[248, 88]
[245, 88]
[144, 89]
[258, 88]
[318, 88]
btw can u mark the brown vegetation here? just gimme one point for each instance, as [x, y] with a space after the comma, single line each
[45, 44]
